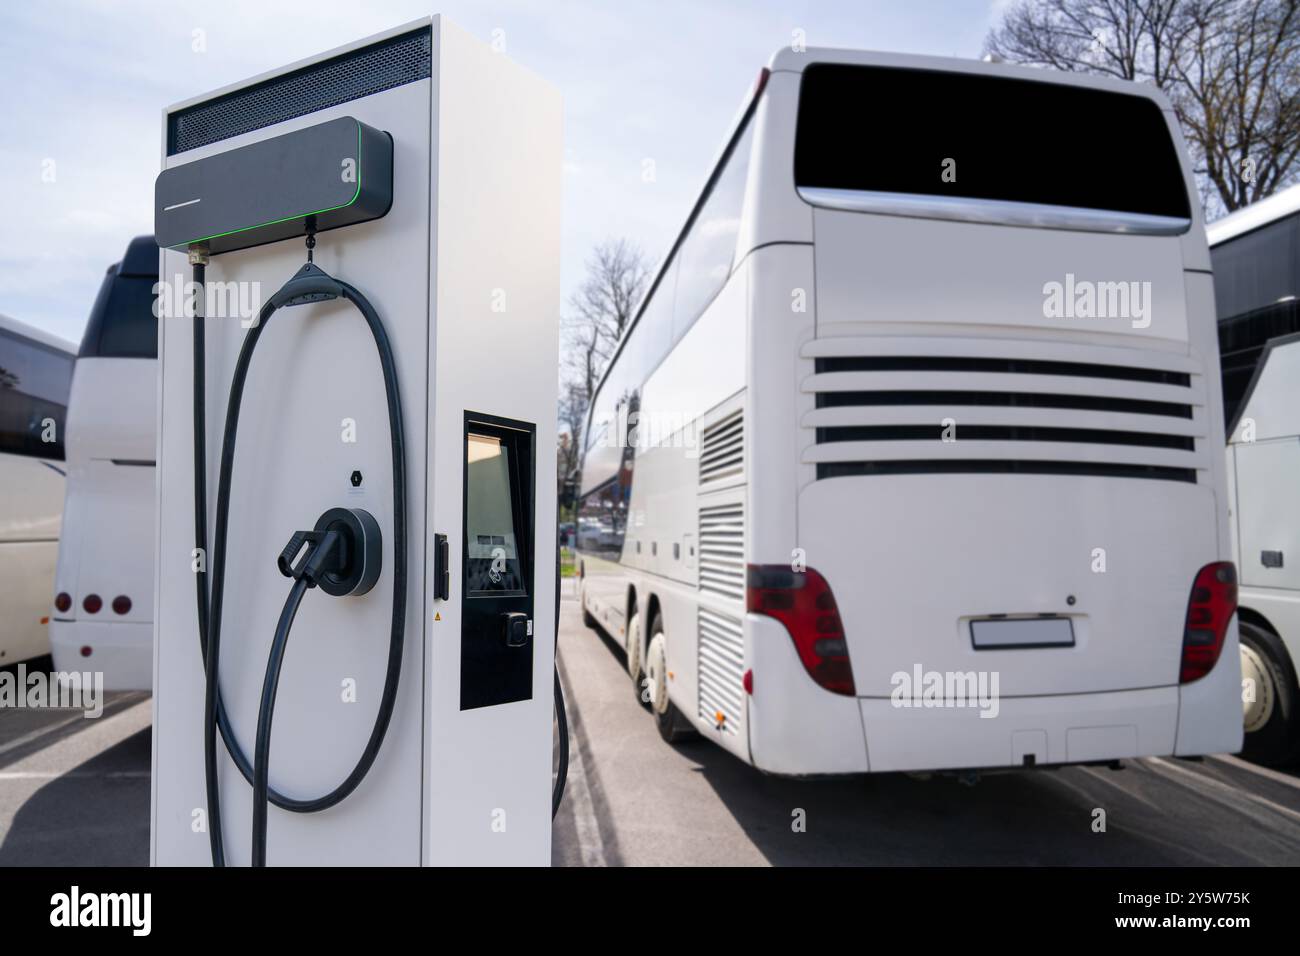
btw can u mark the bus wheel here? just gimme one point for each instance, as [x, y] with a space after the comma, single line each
[632, 645]
[671, 722]
[1272, 724]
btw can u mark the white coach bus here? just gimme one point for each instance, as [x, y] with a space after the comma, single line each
[1256, 256]
[920, 423]
[35, 374]
[103, 605]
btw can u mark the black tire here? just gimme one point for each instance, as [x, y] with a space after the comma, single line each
[672, 724]
[1277, 742]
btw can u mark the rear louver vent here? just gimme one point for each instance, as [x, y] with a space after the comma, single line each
[722, 550]
[918, 414]
[722, 449]
[348, 77]
[721, 662]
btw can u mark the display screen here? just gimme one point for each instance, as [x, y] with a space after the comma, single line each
[491, 544]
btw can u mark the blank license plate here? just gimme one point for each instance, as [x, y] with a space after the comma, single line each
[1022, 632]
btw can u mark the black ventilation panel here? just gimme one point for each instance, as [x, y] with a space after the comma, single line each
[373, 69]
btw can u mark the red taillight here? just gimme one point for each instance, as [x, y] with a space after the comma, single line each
[92, 603]
[86, 650]
[803, 602]
[747, 682]
[121, 604]
[1209, 609]
[63, 602]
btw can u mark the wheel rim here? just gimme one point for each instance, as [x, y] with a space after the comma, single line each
[656, 672]
[1256, 713]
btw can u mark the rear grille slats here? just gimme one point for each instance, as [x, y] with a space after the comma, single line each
[722, 550]
[894, 381]
[720, 659]
[1015, 366]
[1006, 450]
[1036, 433]
[963, 399]
[1003, 408]
[722, 449]
[838, 416]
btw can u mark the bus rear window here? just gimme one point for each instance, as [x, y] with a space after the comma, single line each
[122, 323]
[881, 129]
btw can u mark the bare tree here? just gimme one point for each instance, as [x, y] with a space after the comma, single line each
[599, 312]
[1231, 68]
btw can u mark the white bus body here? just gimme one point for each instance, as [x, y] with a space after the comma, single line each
[881, 436]
[35, 373]
[103, 614]
[1257, 281]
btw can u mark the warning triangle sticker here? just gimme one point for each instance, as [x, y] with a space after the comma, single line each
[437, 616]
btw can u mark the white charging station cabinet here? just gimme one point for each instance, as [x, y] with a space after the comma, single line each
[463, 270]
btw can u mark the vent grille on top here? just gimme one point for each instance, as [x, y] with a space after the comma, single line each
[721, 661]
[1124, 414]
[722, 448]
[372, 69]
[722, 550]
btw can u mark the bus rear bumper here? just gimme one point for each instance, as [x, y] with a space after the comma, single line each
[123, 653]
[1021, 731]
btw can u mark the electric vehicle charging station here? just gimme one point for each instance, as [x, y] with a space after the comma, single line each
[402, 386]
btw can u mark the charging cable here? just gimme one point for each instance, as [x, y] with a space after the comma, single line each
[310, 284]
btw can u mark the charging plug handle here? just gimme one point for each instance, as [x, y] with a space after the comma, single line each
[343, 554]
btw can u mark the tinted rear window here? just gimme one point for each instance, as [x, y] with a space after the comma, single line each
[34, 383]
[122, 323]
[882, 129]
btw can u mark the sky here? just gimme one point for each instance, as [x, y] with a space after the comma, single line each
[83, 84]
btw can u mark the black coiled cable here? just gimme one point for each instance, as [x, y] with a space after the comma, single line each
[309, 285]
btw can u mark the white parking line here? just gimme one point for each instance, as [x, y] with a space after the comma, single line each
[64, 756]
[1255, 768]
[1235, 793]
[56, 775]
[40, 732]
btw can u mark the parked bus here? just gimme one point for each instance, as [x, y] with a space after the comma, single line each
[103, 608]
[919, 423]
[35, 374]
[1256, 256]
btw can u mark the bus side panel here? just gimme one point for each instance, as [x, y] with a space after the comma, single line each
[29, 534]
[26, 571]
[688, 517]
[1209, 712]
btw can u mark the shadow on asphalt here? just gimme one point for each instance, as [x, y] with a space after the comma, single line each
[95, 815]
[1157, 812]
[39, 728]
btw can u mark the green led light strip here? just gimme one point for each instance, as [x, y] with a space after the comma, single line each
[273, 222]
